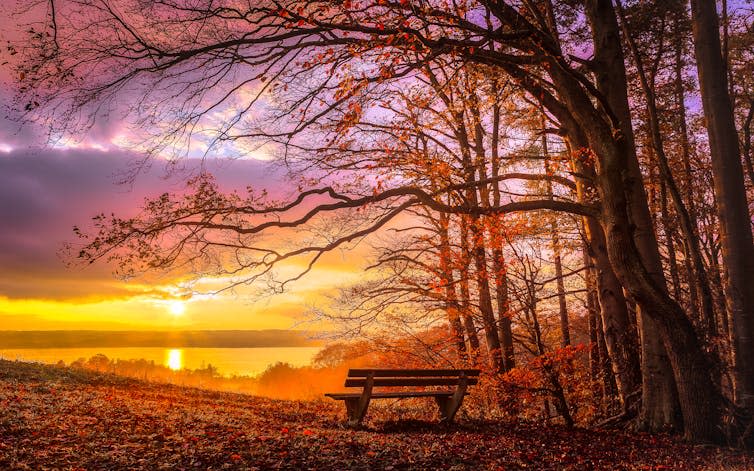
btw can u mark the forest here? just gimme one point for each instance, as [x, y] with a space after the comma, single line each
[556, 191]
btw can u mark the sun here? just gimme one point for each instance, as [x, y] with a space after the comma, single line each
[177, 308]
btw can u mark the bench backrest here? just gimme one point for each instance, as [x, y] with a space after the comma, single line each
[418, 377]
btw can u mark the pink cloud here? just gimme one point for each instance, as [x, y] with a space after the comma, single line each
[45, 192]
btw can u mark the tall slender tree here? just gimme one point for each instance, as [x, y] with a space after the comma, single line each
[730, 195]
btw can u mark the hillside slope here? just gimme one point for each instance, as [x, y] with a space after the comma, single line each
[54, 417]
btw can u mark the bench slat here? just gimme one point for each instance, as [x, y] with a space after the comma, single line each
[387, 382]
[391, 395]
[392, 373]
[448, 401]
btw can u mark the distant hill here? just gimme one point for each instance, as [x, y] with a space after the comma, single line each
[185, 338]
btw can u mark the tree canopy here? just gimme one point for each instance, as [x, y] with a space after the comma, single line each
[491, 139]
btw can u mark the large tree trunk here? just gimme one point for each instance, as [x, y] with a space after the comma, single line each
[659, 403]
[580, 108]
[617, 333]
[630, 241]
[698, 393]
[730, 193]
[699, 397]
[668, 184]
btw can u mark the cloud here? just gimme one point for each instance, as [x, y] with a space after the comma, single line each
[45, 192]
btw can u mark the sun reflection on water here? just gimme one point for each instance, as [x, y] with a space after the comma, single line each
[174, 359]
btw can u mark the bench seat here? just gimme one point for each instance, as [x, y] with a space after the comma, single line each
[449, 401]
[392, 395]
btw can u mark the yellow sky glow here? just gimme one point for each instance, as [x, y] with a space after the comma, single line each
[145, 311]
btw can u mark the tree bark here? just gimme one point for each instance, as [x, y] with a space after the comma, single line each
[451, 298]
[595, 359]
[565, 334]
[731, 203]
[468, 320]
[659, 403]
[505, 330]
[667, 229]
[668, 184]
[620, 344]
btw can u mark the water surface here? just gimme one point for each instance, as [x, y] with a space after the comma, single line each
[228, 361]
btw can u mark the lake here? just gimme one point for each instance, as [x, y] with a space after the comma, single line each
[228, 361]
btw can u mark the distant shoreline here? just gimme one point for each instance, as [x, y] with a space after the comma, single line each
[168, 339]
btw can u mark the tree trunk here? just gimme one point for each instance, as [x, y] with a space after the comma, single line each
[565, 334]
[659, 403]
[620, 344]
[498, 259]
[475, 169]
[503, 309]
[619, 339]
[595, 360]
[624, 214]
[700, 400]
[731, 204]
[700, 303]
[451, 298]
[468, 320]
[668, 184]
[667, 229]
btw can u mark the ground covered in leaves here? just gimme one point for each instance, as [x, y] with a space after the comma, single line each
[54, 417]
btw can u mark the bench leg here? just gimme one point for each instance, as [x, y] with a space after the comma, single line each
[351, 408]
[442, 403]
[356, 411]
[450, 405]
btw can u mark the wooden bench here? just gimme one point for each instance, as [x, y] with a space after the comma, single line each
[448, 400]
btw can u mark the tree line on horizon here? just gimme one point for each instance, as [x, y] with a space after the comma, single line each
[137, 338]
[531, 175]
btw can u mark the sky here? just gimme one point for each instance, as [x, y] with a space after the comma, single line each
[48, 188]
[45, 191]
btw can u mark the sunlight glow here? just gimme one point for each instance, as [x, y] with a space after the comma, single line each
[174, 359]
[177, 308]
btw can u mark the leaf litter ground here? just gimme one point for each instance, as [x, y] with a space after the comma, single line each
[60, 418]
